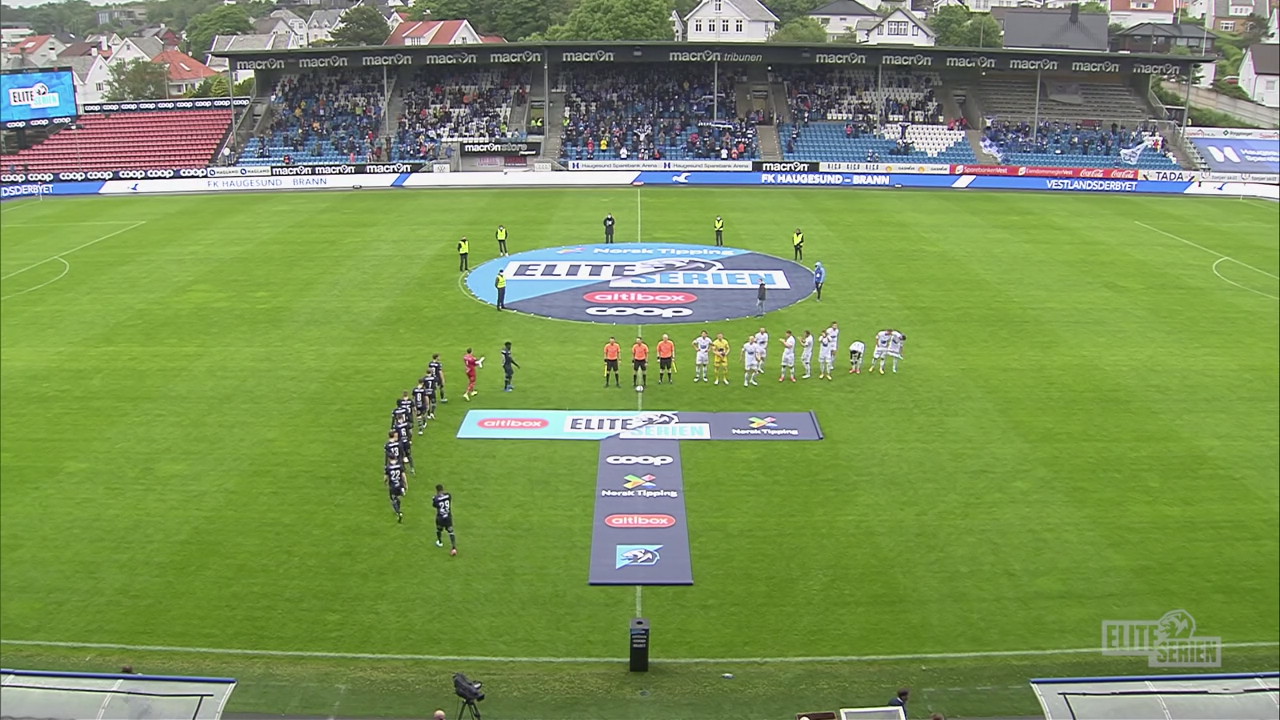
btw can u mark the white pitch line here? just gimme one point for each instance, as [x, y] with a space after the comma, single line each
[638, 235]
[61, 224]
[639, 612]
[1232, 282]
[1211, 252]
[59, 256]
[565, 660]
[66, 268]
[14, 208]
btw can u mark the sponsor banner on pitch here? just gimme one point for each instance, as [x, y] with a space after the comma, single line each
[629, 425]
[579, 425]
[642, 283]
[1049, 172]
[639, 533]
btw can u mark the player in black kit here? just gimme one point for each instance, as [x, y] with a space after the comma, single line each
[428, 382]
[437, 369]
[421, 405]
[443, 503]
[392, 450]
[401, 426]
[397, 485]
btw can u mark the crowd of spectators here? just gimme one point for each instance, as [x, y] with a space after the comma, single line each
[325, 114]
[1055, 137]
[636, 113]
[864, 99]
[440, 107]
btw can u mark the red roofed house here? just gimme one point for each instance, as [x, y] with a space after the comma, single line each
[434, 32]
[34, 51]
[492, 39]
[1135, 12]
[185, 72]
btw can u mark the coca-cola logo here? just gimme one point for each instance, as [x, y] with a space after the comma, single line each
[1092, 173]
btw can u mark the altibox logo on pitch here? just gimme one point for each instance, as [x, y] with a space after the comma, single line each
[514, 423]
[1170, 641]
[637, 520]
[639, 297]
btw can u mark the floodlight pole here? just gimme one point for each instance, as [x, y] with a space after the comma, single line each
[715, 93]
[1035, 127]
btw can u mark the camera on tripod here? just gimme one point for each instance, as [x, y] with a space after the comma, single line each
[471, 692]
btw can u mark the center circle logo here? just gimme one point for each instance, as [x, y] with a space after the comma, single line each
[642, 283]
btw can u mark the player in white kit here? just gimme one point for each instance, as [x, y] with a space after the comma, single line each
[788, 357]
[882, 350]
[826, 355]
[750, 361]
[702, 346]
[762, 349]
[806, 354]
[896, 339]
[856, 351]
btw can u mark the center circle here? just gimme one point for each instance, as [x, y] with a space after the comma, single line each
[642, 283]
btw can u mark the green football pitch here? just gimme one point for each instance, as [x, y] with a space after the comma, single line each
[196, 390]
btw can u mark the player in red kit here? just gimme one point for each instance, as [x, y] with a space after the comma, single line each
[471, 362]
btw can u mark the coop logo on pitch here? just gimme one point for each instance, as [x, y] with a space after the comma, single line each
[1170, 641]
[654, 460]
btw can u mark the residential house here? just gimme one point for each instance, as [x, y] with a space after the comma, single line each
[136, 48]
[167, 37]
[1028, 29]
[185, 72]
[132, 15]
[1165, 38]
[221, 43]
[492, 39]
[1230, 15]
[1134, 12]
[730, 21]
[91, 76]
[842, 17]
[12, 33]
[434, 32]
[900, 27]
[1260, 74]
[33, 51]
[321, 24]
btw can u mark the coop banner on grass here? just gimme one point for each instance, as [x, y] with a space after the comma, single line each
[639, 532]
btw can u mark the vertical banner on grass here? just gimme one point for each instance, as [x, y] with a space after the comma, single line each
[639, 536]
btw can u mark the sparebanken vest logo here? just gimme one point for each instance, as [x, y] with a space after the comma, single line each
[642, 283]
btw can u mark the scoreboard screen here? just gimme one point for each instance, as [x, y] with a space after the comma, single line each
[34, 99]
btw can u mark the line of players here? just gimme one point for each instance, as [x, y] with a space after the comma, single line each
[754, 352]
[414, 409]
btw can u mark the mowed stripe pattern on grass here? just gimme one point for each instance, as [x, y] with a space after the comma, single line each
[1085, 423]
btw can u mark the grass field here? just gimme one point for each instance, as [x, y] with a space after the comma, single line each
[195, 391]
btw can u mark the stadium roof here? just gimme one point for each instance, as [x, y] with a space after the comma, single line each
[1171, 30]
[1055, 29]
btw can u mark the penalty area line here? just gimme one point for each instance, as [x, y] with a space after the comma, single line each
[1211, 252]
[60, 255]
[66, 268]
[578, 660]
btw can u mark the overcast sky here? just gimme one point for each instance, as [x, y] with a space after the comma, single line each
[32, 3]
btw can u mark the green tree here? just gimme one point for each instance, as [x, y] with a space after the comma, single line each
[982, 31]
[361, 25]
[518, 19]
[215, 86]
[615, 20]
[76, 17]
[1255, 30]
[800, 30]
[221, 20]
[137, 79]
[245, 87]
[949, 22]
[1093, 7]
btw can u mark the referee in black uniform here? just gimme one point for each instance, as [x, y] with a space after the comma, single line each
[608, 229]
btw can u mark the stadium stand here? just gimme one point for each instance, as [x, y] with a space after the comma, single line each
[637, 113]
[322, 117]
[1080, 123]
[854, 115]
[129, 141]
[440, 107]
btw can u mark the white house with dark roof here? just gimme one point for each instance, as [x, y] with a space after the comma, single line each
[900, 27]
[1260, 74]
[321, 24]
[841, 17]
[1128, 13]
[1231, 15]
[730, 21]
[245, 42]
